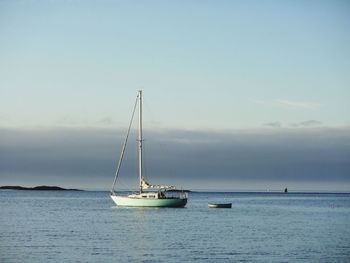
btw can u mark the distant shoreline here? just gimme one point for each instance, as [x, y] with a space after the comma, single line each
[57, 188]
[37, 188]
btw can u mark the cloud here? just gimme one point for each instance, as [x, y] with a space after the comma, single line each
[283, 103]
[71, 121]
[105, 121]
[309, 123]
[198, 159]
[77, 122]
[275, 124]
[298, 104]
[262, 102]
[303, 124]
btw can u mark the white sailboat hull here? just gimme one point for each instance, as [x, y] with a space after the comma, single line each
[146, 202]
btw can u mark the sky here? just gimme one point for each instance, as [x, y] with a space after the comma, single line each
[242, 95]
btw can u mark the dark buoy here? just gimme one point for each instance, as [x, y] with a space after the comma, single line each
[286, 190]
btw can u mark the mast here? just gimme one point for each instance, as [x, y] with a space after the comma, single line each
[140, 139]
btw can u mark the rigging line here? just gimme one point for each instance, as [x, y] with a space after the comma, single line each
[136, 163]
[145, 173]
[124, 146]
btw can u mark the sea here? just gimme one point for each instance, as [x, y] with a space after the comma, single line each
[86, 226]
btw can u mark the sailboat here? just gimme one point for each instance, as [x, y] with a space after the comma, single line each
[149, 195]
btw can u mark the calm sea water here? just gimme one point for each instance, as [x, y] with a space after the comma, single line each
[48, 226]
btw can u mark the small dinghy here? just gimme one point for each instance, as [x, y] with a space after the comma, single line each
[226, 205]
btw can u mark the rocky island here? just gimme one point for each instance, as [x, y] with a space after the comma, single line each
[37, 188]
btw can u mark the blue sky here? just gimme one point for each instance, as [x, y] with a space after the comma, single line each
[204, 66]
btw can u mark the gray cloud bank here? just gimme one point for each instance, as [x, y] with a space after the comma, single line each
[198, 159]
